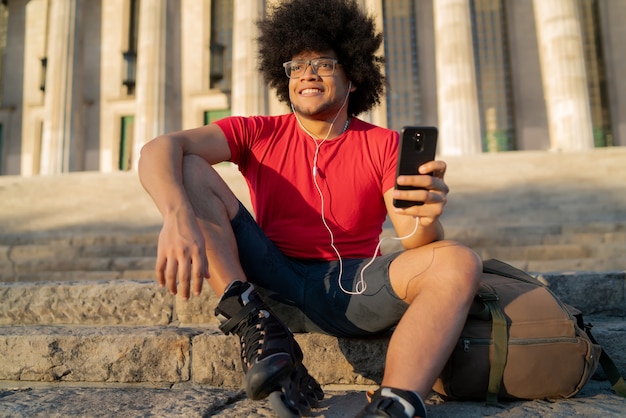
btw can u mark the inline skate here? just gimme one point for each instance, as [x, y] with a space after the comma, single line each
[271, 358]
[393, 403]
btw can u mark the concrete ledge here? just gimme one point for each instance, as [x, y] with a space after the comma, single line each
[331, 360]
[27, 400]
[142, 302]
[591, 292]
[85, 303]
[132, 254]
[611, 334]
[198, 355]
[87, 354]
[168, 354]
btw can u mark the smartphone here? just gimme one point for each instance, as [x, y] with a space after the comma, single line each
[418, 145]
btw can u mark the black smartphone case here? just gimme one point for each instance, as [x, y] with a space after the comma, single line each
[418, 145]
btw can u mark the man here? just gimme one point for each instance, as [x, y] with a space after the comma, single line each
[322, 183]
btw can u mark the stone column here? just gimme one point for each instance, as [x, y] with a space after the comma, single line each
[249, 92]
[563, 72]
[378, 115]
[62, 142]
[457, 97]
[150, 83]
[195, 49]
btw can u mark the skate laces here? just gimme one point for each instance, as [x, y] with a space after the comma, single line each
[259, 329]
[261, 334]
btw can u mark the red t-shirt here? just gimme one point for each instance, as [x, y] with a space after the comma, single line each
[354, 170]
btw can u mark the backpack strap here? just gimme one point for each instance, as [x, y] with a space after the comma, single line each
[499, 338]
[495, 266]
[609, 367]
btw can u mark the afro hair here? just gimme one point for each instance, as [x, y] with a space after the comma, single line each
[296, 26]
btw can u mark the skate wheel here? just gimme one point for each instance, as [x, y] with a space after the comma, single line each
[283, 407]
[308, 386]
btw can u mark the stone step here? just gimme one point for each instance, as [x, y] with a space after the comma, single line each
[119, 263]
[18, 250]
[597, 264]
[83, 240]
[76, 275]
[168, 354]
[538, 253]
[61, 399]
[142, 302]
[140, 242]
[602, 257]
[199, 355]
[121, 258]
[539, 234]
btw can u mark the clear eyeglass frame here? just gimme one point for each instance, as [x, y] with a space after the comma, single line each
[323, 67]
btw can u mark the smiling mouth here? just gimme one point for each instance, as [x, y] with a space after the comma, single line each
[310, 91]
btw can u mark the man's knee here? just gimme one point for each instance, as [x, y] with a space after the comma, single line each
[444, 264]
[205, 187]
[462, 263]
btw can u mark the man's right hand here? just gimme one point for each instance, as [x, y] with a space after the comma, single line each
[181, 257]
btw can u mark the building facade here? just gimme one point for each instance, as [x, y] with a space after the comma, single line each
[85, 83]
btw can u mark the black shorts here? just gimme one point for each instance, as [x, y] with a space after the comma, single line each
[312, 285]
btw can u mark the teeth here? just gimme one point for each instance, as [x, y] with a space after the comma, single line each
[307, 91]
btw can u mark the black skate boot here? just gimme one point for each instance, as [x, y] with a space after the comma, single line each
[393, 403]
[270, 356]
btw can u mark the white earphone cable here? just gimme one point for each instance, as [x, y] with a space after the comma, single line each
[360, 285]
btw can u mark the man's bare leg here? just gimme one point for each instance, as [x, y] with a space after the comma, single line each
[271, 356]
[439, 282]
[214, 205]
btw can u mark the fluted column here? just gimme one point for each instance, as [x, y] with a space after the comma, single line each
[377, 115]
[150, 84]
[457, 97]
[249, 93]
[563, 72]
[62, 136]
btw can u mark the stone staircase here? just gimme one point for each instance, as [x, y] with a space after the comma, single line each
[131, 331]
[80, 305]
[539, 211]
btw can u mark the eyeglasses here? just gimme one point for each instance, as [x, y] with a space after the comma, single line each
[322, 67]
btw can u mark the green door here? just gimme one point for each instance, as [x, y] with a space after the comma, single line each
[126, 143]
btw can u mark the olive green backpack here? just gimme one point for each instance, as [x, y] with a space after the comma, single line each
[521, 342]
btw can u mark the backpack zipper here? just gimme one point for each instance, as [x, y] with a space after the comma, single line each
[467, 343]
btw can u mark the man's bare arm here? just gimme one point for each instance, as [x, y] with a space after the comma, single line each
[181, 257]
